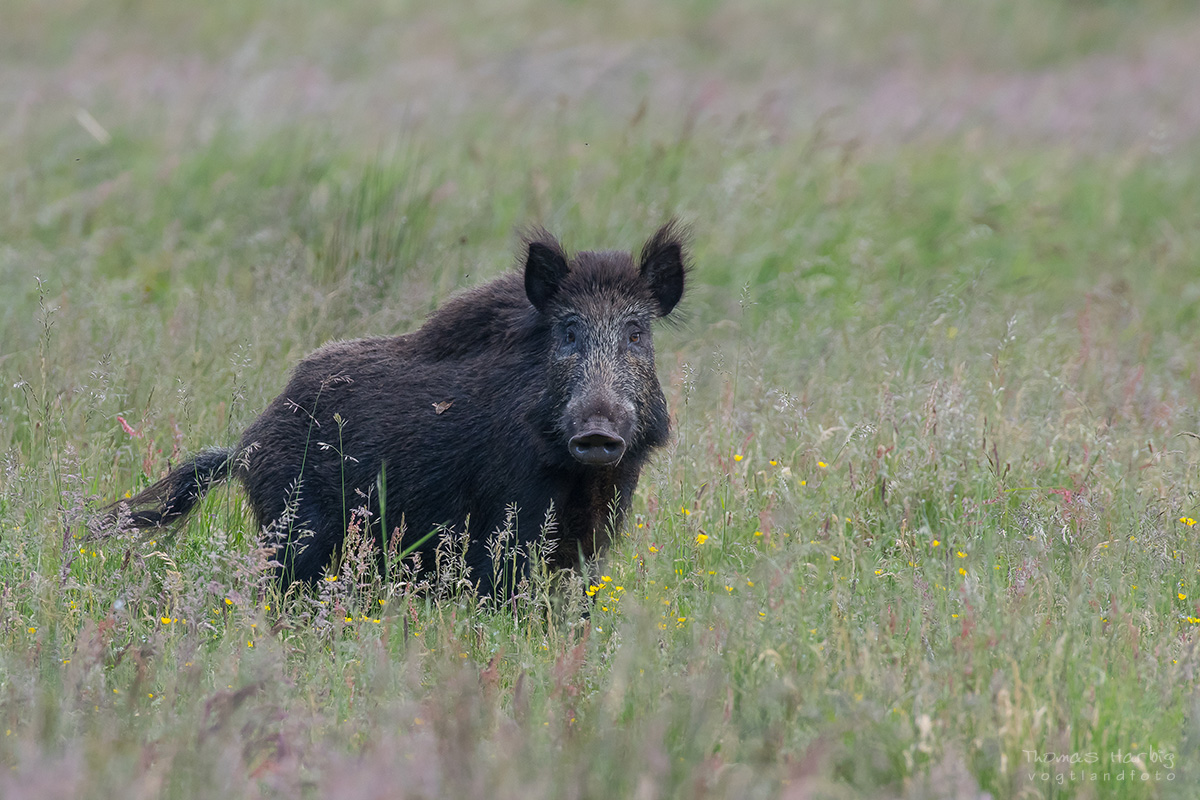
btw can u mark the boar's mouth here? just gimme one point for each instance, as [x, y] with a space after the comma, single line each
[597, 446]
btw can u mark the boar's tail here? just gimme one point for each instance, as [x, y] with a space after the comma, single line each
[174, 496]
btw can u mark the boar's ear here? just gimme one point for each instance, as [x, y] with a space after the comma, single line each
[545, 269]
[663, 266]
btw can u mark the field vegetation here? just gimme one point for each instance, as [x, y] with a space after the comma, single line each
[927, 527]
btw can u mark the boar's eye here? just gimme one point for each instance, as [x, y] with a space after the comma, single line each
[633, 333]
[570, 336]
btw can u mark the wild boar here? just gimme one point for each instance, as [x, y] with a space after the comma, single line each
[533, 394]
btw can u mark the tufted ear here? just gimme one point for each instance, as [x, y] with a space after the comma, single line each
[663, 266]
[545, 268]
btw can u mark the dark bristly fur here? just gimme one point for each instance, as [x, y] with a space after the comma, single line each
[534, 391]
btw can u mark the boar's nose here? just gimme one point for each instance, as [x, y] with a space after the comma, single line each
[597, 447]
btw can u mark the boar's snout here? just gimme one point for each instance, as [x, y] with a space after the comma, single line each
[598, 444]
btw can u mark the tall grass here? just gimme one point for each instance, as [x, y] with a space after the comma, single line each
[926, 527]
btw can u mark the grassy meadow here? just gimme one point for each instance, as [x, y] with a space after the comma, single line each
[927, 527]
